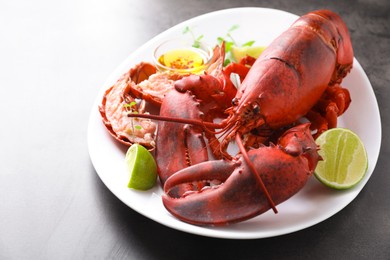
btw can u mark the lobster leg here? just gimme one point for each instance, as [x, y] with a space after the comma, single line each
[319, 124]
[333, 103]
[336, 100]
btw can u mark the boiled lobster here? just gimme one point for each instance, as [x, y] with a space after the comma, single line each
[297, 76]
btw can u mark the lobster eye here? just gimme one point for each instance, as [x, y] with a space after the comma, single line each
[235, 101]
[256, 109]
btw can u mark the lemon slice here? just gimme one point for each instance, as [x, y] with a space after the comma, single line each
[142, 168]
[344, 161]
[240, 52]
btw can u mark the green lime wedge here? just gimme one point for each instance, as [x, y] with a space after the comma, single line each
[142, 168]
[344, 161]
[240, 52]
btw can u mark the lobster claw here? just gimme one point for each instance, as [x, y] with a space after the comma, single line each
[188, 140]
[240, 196]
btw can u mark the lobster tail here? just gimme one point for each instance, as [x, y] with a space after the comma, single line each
[335, 33]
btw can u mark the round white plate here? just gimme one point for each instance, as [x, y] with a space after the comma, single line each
[313, 204]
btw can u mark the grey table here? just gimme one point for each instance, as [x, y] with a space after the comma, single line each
[54, 57]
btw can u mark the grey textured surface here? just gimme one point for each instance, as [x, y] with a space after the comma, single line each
[54, 58]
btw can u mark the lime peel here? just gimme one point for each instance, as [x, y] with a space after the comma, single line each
[142, 168]
[345, 161]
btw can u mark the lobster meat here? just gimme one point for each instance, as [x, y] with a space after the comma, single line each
[117, 103]
[298, 76]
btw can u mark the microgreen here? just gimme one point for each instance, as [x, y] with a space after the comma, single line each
[130, 105]
[230, 42]
[197, 39]
[250, 43]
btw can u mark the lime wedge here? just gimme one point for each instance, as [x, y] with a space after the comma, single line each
[142, 168]
[240, 52]
[344, 161]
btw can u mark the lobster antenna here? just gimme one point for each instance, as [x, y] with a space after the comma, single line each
[179, 120]
[257, 175]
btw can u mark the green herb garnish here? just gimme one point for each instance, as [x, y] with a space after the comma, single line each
[227, 38]
[131, 108]
[197, 39]
[230, 42]
[130, 105]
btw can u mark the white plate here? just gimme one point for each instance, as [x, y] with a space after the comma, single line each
[313, 204]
